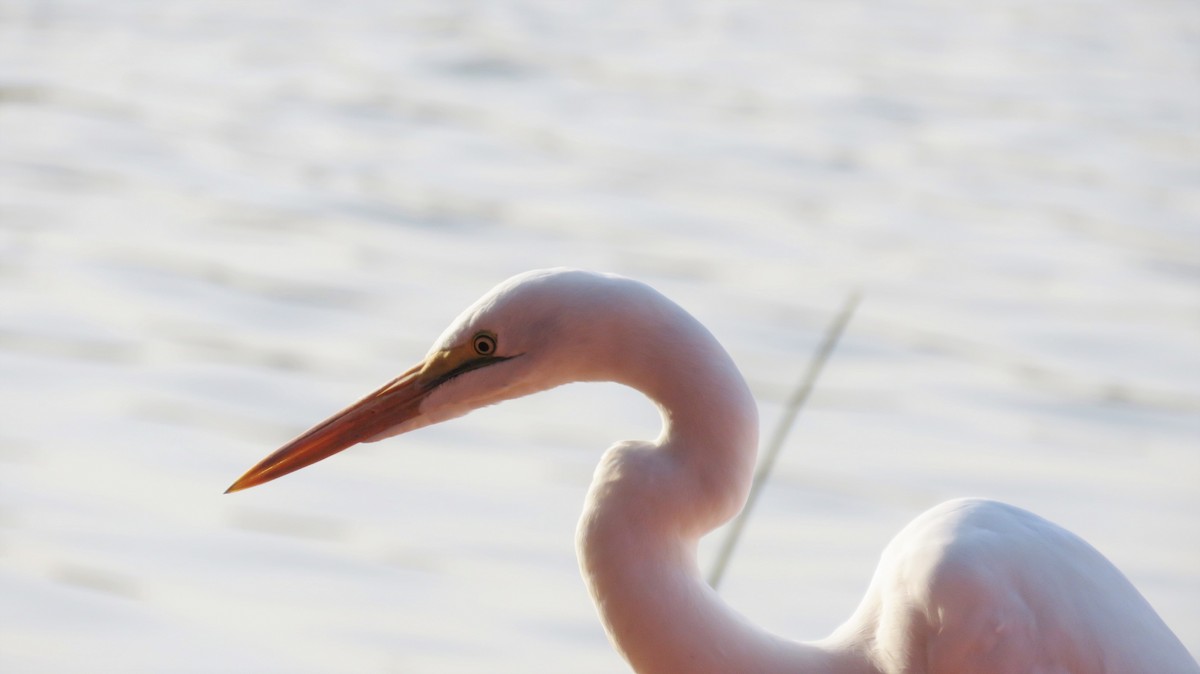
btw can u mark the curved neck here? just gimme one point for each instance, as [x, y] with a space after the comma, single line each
[650, 503]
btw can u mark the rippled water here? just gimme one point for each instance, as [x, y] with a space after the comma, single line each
[220, 221]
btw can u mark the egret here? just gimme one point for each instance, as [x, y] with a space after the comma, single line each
[969, 586]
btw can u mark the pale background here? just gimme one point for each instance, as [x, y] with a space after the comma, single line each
[220, 221]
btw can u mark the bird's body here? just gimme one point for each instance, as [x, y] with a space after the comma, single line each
[971, 586]
[974, 585]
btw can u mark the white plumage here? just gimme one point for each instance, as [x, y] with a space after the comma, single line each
[969, 586]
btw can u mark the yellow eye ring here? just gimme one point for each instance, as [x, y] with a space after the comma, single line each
[484, 344]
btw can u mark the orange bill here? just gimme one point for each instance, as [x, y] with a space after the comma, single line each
[393, 404]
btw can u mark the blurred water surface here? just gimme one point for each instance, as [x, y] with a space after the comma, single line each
[221, 221]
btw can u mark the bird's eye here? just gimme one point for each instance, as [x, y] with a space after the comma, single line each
[485, 344]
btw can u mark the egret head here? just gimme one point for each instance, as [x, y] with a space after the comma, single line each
[535, 331]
